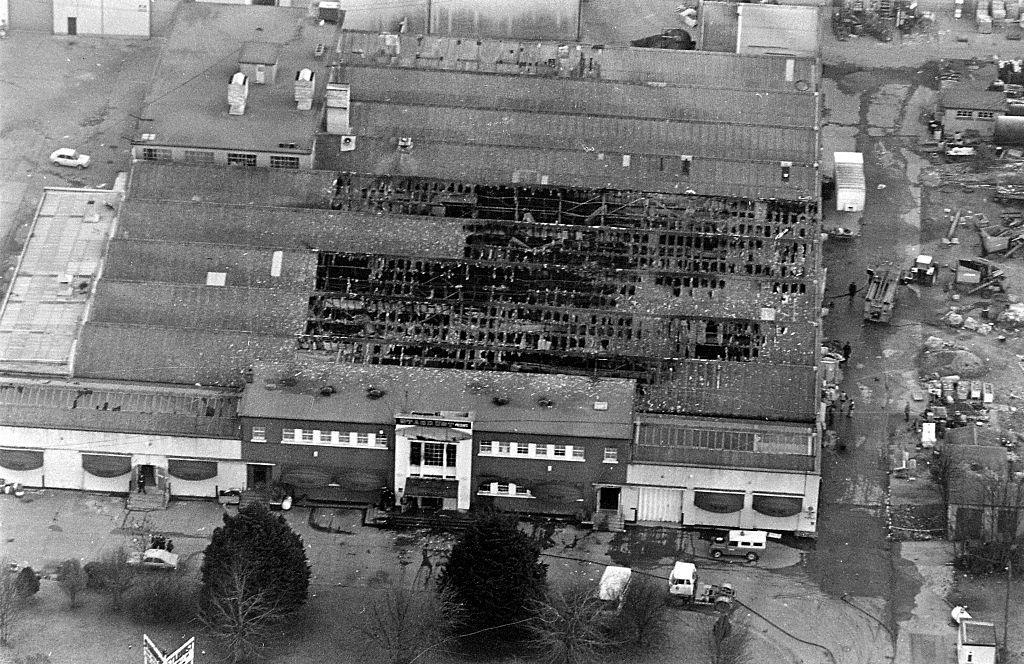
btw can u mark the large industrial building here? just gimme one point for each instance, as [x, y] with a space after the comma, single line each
[560, 278]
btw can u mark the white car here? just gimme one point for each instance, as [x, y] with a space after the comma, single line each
[69, 157]
[153, 559]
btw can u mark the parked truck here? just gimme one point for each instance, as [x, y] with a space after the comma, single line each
[683, 587]
[880, 296]
[849, 179]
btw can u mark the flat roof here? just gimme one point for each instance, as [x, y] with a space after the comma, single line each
[965, 97]
[51, 289]
[187, 105]
[579, 406]
[782, 30]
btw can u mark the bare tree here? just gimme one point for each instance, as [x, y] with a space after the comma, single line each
[1003, 498]
[728, 642]
[72, 579]
[10, 602]
[641, 621]
[114, 575]
[240, 612]
[405, 622]
[570, 626]
[942, 468]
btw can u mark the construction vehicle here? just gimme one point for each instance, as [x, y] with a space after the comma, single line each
[880, 296]
[922, 271]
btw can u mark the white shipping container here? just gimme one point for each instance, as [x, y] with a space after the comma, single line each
[849, 179]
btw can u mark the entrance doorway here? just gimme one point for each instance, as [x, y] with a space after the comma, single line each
[72, 25]
[258, 475]
[147, 475]
[608, 498]
[430, 504]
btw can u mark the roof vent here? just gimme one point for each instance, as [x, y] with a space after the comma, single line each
[405, 144]
[600, 405]
[500, 400]
[374, 393]
[305, 84]
[348, 143]
[270, 385]
[545, 402]
[327, 390]
[238, 93]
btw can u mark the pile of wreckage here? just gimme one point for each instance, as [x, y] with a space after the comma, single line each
[952, 401]
[1004, 237]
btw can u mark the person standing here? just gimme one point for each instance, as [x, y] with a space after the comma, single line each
[906, 413]
[849, 412]
[852, 290]
[847, 351]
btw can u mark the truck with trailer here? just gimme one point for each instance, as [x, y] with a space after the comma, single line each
[850, 191]
[880, 296]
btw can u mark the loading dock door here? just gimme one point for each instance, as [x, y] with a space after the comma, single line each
[656, 504]
[72, 25]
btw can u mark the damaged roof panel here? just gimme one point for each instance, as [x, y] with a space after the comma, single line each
[169, 181]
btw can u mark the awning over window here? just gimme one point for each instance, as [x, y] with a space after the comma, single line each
[306, 477]
[19, 459]
[107, 465]
[778, 505]
[192, 470]
[429, 487]
[719, 502]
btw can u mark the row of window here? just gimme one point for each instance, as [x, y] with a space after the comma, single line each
[207, 157]
[981, 115]
[538, 451]
[503, 489]
[317, 437]
[432, 453]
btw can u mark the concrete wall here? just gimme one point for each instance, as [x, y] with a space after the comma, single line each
[62, 458]
[691, 479]
[30, 15]
[951, 123]
[103, 17]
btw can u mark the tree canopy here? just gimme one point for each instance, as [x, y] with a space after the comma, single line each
[272, 554]
[494, 572]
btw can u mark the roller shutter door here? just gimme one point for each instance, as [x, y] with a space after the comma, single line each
[660, 505]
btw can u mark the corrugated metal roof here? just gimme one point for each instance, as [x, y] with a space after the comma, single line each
[736, 389]
[191, 263]
[128, 408]
[299, 232]
[702, 140]
[167, 181]
[258, 310]
[173, 355]
[774, 108]
[615, 63]
[522, 19]
[577, 168]
[407, 390]
[969, 98]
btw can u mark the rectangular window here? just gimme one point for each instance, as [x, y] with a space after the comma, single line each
[259, 435]
[433, 454]
[310, 436]
[363, 439]
[241, 159]
[611, 455]
[963, 114]
[415, 450]
[199, 156]
[522, 448]
[291, 436]
[277, 161]
[986, 115]
[577, 452]
[451, 454]
[503, 448]
[485, 447]
[157, 154]
[559, 450]
[522, 491]
[502, 487]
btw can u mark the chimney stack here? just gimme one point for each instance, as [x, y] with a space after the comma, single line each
[238, 93]
[305, 84]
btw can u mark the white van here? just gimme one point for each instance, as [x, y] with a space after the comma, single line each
[747, 544]
[612, 590]
[683, 581]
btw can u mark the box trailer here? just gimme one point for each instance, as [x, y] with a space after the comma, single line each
[849, 179]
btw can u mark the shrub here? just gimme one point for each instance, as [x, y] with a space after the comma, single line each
[72, 579]
[161, 599]
[27, 583]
